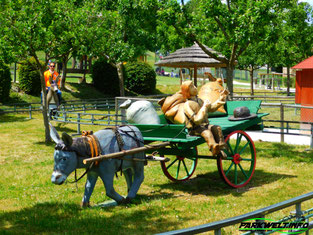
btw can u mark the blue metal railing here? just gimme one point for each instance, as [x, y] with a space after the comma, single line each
[217, 226]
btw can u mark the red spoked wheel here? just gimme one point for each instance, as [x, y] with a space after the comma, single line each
[179, 168]
[238, 168]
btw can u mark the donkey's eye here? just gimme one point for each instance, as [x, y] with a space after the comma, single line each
[63, 159]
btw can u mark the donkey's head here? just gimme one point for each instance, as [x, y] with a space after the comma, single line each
[65, 159]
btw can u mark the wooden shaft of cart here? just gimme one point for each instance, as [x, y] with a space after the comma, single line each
[127, 152]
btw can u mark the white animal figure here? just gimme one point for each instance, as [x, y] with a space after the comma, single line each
[140, 112]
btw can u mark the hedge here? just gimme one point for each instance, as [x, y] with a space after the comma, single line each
[5, 81]
[29, 77]
[139, 78]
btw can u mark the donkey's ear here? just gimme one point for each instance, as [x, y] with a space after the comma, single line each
[67, 139]
[54, 134]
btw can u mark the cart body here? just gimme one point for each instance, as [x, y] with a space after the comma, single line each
[236, 170]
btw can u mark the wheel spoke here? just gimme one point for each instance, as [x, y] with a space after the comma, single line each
[228, 144]
[243, 171]
[235, 173]
[247, 159]
[226, 151]
[228, 158]
[238, 140]
[171, 164]
[244, 147]
[178, 167]
[185, 168]
[226, 173]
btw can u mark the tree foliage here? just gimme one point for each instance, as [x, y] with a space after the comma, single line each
[229, 27]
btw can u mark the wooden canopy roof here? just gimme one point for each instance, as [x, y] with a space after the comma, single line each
[191, 57]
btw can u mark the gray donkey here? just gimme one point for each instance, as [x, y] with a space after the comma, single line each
[69, 155]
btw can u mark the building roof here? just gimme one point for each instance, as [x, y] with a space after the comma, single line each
[306, 64]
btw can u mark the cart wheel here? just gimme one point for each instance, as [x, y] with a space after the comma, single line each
[238, 168]
[179, 168]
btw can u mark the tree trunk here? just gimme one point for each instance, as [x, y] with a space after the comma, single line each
[44, 100]
[74, 63]
[229, 78]
[64, 71]
[120, 73]
[251, 81]
[288, 81]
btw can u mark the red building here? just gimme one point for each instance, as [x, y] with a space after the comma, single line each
[304, 87]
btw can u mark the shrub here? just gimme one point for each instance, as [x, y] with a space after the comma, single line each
[5, 81]
[139, 78]
[29, 77]
[105, 77]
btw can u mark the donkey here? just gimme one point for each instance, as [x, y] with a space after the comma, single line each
[70, 152]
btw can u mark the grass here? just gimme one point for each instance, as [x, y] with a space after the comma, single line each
[30, 203]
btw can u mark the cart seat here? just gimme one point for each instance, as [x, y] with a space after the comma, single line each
[177, 133]
[250, 124]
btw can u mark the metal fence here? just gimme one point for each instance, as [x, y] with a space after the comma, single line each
[85, 118]
[284, 118]
[296, 216]
[71, 105]
[266, 98]
[288, 119]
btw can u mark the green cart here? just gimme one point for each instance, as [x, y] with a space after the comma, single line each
[236, 170]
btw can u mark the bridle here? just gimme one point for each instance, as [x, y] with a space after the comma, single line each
[63, 147]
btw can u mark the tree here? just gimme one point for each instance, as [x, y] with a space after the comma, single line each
[229, 27]
[27, 27]
[295, 41]
[251, 60]
[119, 31]
[65, 38]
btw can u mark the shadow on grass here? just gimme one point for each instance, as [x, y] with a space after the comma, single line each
[291, 152]
[212, 184]
[85, 91]
[15, 100]
[10, 118]
[69, 218]
[60, 127]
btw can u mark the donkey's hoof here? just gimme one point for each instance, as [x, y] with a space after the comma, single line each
[85, 204]
[125, 201]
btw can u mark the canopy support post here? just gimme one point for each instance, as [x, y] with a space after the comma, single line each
[195, 75]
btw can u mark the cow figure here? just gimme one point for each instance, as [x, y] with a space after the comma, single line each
[69, 155]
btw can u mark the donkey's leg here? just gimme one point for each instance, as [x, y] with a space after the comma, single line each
[128, 173]
[138, 179]
[89, 186]
[107, 178]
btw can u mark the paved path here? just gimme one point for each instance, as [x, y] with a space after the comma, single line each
[289, 139]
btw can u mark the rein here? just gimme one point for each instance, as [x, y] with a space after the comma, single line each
[76, 180]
